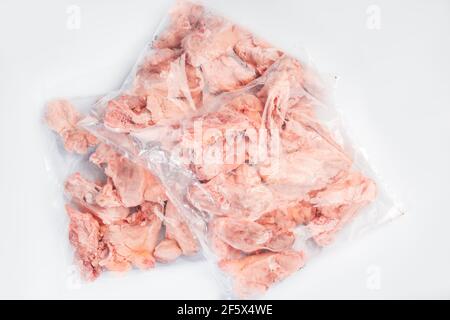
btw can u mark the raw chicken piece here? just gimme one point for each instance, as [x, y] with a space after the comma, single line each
[338, 204]
[113, 261]
[220, 248]
[215, 39]
[103, 155]
[282, 87]
[233, 195]
[250, 106]
[286, 75]
[214, 137]
[62, 118]
[302, 212]
[160, 60]
[85, 192]
[349, 188]
[147, 81]
[281, 224]
[167, 93]
[299, 129]
[163, 71]
[257, 53]
[136, 240]
[184, 17]
[167, 251]
[230, 195]
[241, 234]
[277, 219]
[323, 230]
[281, 240]
[154, 191]
[165, 109]
[106, 215]
[86, 237]
[179, 231]
[254, 274]
[129, 180]
[249, 236]
[132, 182]
[108, 196]
[127, 113]
[226, 73]
[82, 189]
[196, 84]
[303, 171]
[308, 130]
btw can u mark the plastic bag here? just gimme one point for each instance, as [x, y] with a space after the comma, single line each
[116, 209]
[246, 145]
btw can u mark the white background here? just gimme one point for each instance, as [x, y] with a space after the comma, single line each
[394, 91]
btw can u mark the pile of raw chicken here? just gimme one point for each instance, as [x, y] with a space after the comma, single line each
[202, 67]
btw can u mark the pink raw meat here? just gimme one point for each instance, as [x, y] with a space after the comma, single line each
[254, 274]
[62, 118]
[249, 236]
[135, 240]
[108, 196]
[85, 192]
[216, 38]
[184, 17]
[285, 77]
[86, 237]
[303, 171]
[338, 204]
[127, 113]
[163, 108]
[220, 248]
[167, 251]
[129, 179]
[196, 83]
[167, 95]
[160, 60]
[250, 106]
[154, 191]
[257, 53]
[301, 213]
[218, 129]
[277, 219]
[133, 183]
[226, 73]
[349, 188]
[177, 229]
[103, 155]
[82, 189]
[239, 193]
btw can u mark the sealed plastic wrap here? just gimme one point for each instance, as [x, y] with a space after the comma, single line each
[115, 208]
[249, 151]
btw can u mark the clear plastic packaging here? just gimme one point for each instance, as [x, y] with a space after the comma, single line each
[248, 148]
[116, 213]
